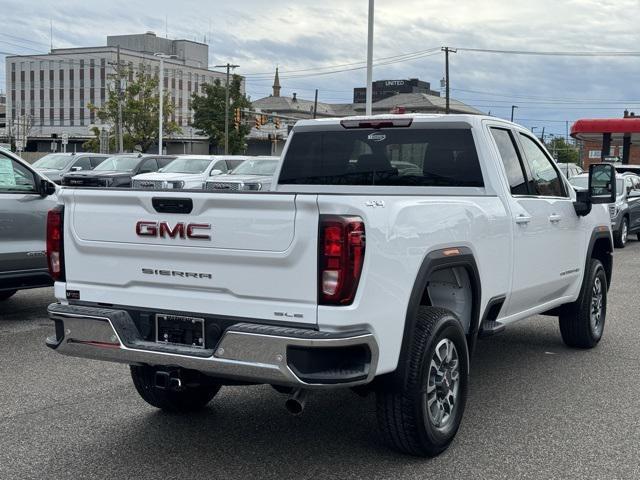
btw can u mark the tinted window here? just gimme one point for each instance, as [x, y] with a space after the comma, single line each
[231, 164]
[14, 177]
[95, 161]
[402, 157]
[119, 163]
[545, 180]
[510, 160]
[221, 166]
[83, 163]
[163, 162]
[149, 165]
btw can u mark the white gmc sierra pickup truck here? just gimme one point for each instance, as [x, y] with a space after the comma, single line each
[387, 246]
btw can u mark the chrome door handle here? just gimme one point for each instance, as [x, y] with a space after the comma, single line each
[554, 218]
[522, 219]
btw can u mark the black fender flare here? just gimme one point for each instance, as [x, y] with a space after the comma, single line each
[453, 256]
[597, 234]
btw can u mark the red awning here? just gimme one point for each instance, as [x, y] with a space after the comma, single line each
[592, 129]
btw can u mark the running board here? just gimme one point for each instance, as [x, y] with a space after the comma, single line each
[490, 328]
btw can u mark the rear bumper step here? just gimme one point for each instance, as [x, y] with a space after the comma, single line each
[245, 351]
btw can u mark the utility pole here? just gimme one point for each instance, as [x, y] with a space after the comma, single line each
[542, 138]
[228, 66]
[369, 96]
[446, 51]
[513, 107]
[566, 129]
[315, 105]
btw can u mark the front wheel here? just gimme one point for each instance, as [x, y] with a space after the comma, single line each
[622, 235]
[190, 398]
[422, 417]
[582, 323]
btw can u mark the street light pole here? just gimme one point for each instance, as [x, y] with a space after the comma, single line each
[228, 66]
[513, 107]
[369, 99]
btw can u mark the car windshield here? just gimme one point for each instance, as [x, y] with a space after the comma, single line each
[256, 167]
[119, 164]
[583, 183]
[53, 162]
[187, 165]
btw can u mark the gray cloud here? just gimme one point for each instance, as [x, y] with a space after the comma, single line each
[304, 34]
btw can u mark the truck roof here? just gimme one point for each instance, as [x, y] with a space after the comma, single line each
[417, 118]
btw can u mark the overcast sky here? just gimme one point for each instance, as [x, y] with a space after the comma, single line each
[303, 34]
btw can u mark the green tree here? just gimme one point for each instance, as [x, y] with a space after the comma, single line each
[208, 114]
[139, 111]
[563, 152]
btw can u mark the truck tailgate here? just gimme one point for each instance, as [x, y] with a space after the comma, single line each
[251, 256]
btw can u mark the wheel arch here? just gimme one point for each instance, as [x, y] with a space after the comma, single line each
[447, 258]
[600, 247]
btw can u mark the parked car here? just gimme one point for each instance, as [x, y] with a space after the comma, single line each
[625, 211]
[626, 168]
[25, 198]
[117, 171]
[55, 165]
[255, 173]
[347, 274]
[187, 172]
[570, 169]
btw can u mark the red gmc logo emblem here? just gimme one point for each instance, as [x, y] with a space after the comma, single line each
[179, 230]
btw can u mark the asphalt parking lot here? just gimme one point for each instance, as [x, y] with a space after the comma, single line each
[536, 410]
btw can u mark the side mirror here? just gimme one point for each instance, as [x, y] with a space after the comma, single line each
[602, 183]
[46, 188]
[215, 172]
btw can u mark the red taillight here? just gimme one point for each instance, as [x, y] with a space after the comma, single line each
[55, 253]
[341, 254]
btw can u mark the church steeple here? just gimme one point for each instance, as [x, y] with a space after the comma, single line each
[276, 85]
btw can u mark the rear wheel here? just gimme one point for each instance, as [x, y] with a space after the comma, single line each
[582, 323]
[622, 235]
[422, 418]
[192, 396]
[7, 294]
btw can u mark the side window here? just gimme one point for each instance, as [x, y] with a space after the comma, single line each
[15, 177]
[83, 163]
[95, 161]
[545, 178]
[221, 166]
[510, 160]
[149, 165]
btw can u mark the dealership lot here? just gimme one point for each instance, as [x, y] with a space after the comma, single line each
[536, 410]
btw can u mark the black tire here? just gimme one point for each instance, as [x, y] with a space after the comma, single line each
[404, 417]
[191, 399]
[621, 235]
[7, 294]
[577, 327]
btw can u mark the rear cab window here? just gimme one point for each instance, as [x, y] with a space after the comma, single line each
[409, 157]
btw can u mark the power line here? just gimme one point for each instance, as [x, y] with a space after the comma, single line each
[553, 53]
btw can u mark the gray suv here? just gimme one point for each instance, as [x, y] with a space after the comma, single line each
[25, 199]
[625, 213]
[55, 165]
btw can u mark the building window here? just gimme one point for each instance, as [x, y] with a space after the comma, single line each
[61, 79]
[102, 96]
[102, 72]
[71, 78]
[92, 73]
[71, 117]
[61, 113]
[41, 120]
[81, 114]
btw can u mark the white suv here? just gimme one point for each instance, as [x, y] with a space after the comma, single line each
[187, 172]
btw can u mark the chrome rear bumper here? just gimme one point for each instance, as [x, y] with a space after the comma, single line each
[245, 351]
